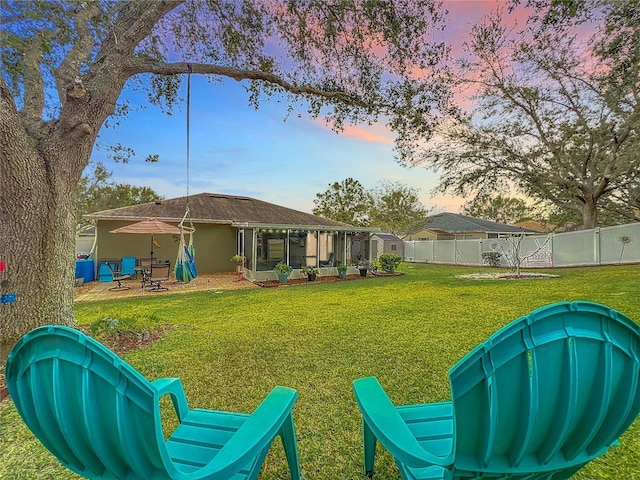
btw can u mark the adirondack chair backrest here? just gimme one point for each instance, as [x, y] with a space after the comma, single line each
[93, 411]
[548, 392]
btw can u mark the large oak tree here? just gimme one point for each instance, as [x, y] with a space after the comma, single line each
[66, 63]
[556, 112]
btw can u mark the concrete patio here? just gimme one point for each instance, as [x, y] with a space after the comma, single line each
[92, 291]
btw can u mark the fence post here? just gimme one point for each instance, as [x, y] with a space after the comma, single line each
[596, 245]
[455, 251]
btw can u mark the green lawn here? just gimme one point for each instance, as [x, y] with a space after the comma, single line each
[231, 348]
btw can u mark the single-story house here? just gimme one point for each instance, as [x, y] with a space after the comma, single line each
[449, 226]
[228, 225]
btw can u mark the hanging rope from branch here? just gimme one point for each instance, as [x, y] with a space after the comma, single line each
[185, 268]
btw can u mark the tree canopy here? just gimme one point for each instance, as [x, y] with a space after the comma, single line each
[346, 202]
[96, 193]
[499, 208]
[397, 209]
[390, 206]
[557, 112]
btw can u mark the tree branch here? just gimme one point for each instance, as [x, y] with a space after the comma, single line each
[146, 65]
[134, 23]
[33, 80]
[70, 68]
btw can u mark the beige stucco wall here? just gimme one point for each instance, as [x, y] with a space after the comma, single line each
[429, 235]
[214, 245]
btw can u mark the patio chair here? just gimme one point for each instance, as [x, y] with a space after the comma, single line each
[158, 274]
[128, 266]
[106, 266]
[117, 276]
[101, 418]
[330, 261]
[144, 267]
[538, 400]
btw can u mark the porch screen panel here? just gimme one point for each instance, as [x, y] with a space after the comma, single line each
[327, 247]
[248, 248]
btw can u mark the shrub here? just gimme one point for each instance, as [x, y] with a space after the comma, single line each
[389, 262]
[309, 270]
[492, 258]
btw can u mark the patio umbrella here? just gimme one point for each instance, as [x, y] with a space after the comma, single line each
[151, 227]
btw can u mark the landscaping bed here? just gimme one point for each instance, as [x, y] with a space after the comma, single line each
[507, 276]
[322, 279]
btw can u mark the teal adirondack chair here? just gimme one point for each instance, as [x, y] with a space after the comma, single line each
[538, 400]
[101, 418]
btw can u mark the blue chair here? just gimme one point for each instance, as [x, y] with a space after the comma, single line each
[538, 400]
[101, 418]
[128, 266]
[106, 267]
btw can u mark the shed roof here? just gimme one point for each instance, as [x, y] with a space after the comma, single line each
[388, 236]
[221, 209]
[457, 223]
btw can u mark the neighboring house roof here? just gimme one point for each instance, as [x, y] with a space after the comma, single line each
[541, 227]
[456, 223]
[222, 209]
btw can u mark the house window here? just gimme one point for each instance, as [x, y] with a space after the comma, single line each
[393, 246]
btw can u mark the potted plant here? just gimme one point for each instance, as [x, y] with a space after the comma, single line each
[364, 266]
[283, 270]
[342, 270]
[238, 259]
[310, 272]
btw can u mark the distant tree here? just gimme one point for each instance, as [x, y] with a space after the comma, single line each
[346, 202]
[96, 193]
[557, 115]
[65, 64]
[396, 209]
[499, 209]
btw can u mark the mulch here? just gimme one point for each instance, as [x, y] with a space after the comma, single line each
[324, 279]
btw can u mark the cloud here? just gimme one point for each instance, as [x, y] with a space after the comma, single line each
[368, 134]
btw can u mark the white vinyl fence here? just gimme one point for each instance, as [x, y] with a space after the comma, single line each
[600, 246]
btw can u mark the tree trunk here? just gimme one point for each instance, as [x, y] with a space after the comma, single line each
[37, 234]
[589, 215]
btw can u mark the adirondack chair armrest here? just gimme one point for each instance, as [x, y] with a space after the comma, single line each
[381, 416]
[254, 435]
[174, 388]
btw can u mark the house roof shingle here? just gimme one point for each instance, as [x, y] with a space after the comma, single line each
[454, 223]
[220, 208]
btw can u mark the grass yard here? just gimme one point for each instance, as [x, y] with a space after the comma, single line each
[231, 348]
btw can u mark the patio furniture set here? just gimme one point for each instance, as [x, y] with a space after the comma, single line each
[539, 399]
[153, 273]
